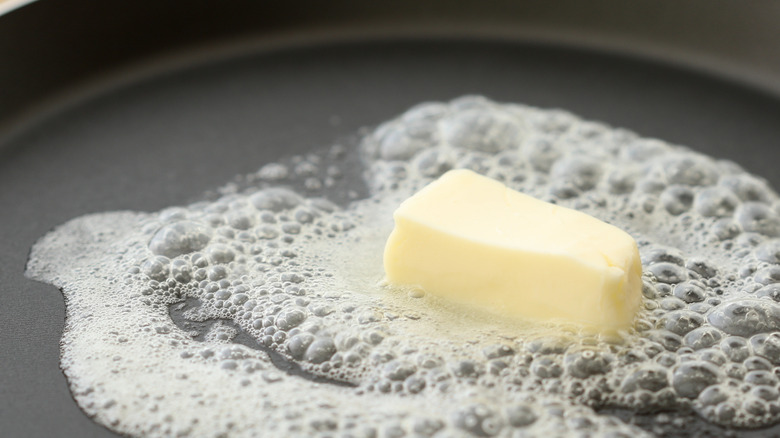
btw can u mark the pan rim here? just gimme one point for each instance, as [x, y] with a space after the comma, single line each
[323, 37]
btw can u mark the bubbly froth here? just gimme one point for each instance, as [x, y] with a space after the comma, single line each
[262, 312]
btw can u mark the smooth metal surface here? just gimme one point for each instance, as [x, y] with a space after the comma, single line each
[52, 46]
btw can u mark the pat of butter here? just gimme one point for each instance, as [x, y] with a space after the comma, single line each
[470, 239]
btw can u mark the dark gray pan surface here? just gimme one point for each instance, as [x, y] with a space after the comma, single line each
[166, 137]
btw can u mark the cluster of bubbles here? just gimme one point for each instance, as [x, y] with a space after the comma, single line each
[262, 312]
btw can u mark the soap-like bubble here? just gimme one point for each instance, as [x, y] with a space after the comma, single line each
[179, 238]
[268, 303]
[746, 317]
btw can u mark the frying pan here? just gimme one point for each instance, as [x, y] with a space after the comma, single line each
[118, 105]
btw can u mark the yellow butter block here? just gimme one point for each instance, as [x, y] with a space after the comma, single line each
[470, 239]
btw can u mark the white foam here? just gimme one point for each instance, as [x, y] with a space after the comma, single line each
[291, 274]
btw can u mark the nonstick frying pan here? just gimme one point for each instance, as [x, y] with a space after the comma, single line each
[139, 105]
